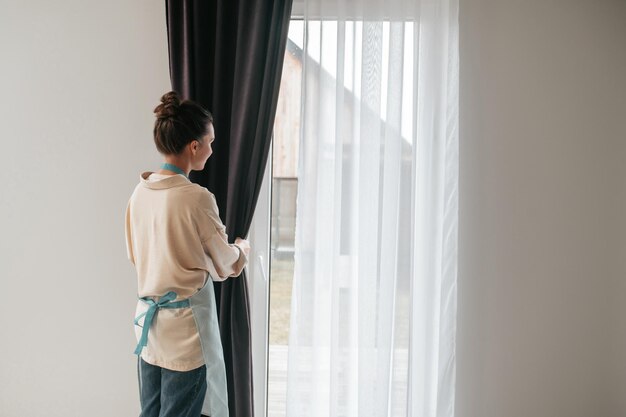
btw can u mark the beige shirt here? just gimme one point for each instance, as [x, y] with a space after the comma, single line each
[174, 237]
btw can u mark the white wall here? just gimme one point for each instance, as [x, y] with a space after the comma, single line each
[78, 82]
[543, 132]
[618, 322]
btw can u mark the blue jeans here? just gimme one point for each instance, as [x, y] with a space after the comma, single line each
[167, 393]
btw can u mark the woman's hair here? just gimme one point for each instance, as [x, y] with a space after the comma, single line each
[179, 123]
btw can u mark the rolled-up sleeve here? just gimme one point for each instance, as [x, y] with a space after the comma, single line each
[228, 259]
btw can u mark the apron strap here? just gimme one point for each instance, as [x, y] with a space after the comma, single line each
[164, 302]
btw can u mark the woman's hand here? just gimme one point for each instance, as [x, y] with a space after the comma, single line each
[244, 245]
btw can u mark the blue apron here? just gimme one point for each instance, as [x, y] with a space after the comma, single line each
[204, 311]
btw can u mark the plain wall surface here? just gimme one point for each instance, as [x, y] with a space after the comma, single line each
[542, 137]
[542, 249]
[79, 81]
[618, 323]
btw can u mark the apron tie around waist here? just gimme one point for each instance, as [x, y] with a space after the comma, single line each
[164, 302]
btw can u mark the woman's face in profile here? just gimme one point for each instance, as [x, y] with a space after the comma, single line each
[205, 148]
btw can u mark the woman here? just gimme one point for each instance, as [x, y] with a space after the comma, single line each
[178, 244]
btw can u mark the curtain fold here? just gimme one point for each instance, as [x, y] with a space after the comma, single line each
[373, 317]
[228, 56]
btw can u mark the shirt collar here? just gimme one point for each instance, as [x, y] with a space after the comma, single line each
[174, 181]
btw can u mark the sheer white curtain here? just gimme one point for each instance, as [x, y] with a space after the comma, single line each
[373, 315]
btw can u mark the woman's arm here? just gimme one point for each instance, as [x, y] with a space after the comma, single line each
[228, 259]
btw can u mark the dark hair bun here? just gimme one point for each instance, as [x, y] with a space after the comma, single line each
[170, 103]
[178, 123]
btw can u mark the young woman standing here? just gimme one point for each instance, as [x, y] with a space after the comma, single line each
[177, 242]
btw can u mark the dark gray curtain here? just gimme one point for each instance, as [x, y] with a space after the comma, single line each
[227, 55]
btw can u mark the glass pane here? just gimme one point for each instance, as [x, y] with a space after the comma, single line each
[338, 71]
[284, 191]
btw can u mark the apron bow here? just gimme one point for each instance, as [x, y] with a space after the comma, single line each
[164, 302]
